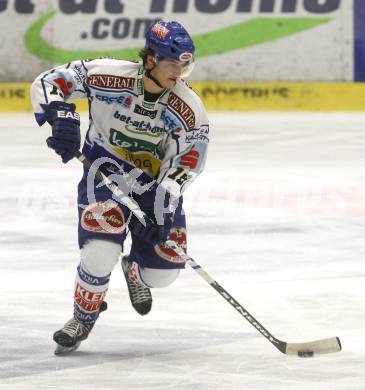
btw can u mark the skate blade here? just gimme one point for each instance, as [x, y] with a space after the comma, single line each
[61, 350]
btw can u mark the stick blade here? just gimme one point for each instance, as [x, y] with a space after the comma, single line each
[318, 347]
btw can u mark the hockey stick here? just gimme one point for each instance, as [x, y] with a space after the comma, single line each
[307, 349]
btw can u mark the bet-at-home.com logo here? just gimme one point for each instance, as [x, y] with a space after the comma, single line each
[261, 21]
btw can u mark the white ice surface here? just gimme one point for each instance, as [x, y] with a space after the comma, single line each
[278, 218]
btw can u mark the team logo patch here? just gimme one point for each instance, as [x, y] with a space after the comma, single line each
[65, 86]
[160, 30]
[103, 217]
[177, 235]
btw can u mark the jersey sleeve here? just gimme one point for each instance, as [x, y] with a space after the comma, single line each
[58, 84]
[185, 149]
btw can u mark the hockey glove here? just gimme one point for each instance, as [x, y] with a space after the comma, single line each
[65, 122]
[151, 232]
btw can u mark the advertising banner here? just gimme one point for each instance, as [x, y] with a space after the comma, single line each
[235, 96]
[236, 40]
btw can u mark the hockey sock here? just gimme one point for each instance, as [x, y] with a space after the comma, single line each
[89, 294]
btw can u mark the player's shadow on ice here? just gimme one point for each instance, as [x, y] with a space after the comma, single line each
[140, 351]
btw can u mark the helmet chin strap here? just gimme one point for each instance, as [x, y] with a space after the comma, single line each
[152, 77]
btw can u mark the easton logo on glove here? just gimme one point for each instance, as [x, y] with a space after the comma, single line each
[68, 115]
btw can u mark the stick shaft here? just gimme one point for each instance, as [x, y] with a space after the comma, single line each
[280, 345]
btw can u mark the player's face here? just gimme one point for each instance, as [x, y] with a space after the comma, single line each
[167, 71]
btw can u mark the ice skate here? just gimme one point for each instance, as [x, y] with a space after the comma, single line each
[140, 296]
[69, 338]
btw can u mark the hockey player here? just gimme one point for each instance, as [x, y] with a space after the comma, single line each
[141, 115]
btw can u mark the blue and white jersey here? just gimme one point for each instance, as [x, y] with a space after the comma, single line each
[167, 139]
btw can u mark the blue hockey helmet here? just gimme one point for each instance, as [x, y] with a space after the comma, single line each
[171, 40]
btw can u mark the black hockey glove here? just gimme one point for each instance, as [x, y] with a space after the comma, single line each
[151, 232]
[65, 122]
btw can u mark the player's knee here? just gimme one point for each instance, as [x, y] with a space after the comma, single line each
[98, 257]
[158, 278]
